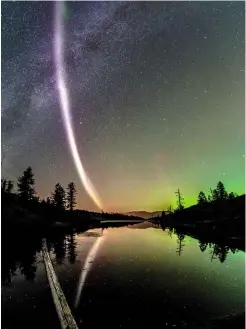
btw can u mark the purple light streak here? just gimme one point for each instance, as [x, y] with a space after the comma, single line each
[65, 104]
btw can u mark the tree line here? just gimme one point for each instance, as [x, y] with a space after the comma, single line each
[214, 195]
[66, 199]
[218, 194]
[60, 198]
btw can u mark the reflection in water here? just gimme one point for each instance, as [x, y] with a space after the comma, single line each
[71, 245]
[217, 251]
[20, 254]
[87, 265]
[170, 232]
[221, 252]
[60, 249]
[181, 244]
[28, 266]
[9, 270]
[203, 246]
[138, 269]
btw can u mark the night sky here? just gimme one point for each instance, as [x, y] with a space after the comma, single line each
[156, 92]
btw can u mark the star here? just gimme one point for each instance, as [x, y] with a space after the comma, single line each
[155, 90]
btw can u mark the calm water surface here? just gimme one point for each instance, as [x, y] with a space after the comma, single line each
[141, 277]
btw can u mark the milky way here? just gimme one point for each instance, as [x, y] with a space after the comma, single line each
[156, 94]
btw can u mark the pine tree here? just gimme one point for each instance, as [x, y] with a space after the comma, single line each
[231, 195]
[26, 185]
[10, 187]
[180, 200]
[59, 197]
[210, 196]
[222, 194]
[202, 198]
[215, 195]
[71, 192]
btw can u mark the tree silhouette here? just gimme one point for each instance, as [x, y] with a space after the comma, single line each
[48, 201]
[202, 198]
[180, 200]
[71, 192]
[231, 195]
[180, 243]
[58, 197]
[60, 249]
[213, 251]
[222, 194]
[26, 185]
[203, 245]
[215, 195]
[233, 250]
[170, 232]
[210, 196]
[71, 248]
[10, 187]
[221, 252]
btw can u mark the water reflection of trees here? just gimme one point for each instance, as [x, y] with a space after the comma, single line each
[9, 270]
[59, 249]
[64, 247]
[217, 251]
[72, 244]
[180, 237]
[180, 242]
[203, 245]
[20, 254]
[28, 267]
[170, 232]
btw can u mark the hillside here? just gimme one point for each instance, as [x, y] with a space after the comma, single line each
[144, 214]
[223, 219]
[220, 210]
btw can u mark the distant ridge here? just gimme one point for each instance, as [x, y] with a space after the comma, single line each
[144, 214]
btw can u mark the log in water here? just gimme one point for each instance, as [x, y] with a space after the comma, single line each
[64, 313]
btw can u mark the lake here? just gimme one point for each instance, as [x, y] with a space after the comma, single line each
[138, 276]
